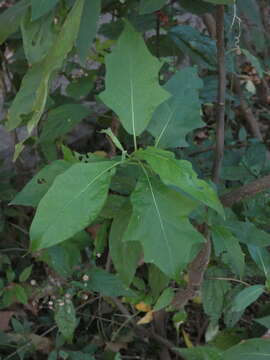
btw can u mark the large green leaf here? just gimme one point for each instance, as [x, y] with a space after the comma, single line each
[42, 7]
[149, 6]
[88, 27]
[73, 202]
[61, 120]
[159, 222]
[180, 114]
[132, 88]
[33, 92]
[11, 18]
[37, 187]
[125, 255]
[180, 173]
[253, 349]
[246, 297]
[228, 246]
[38, 37]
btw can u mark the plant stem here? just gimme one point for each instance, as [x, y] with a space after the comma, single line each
[220, 109]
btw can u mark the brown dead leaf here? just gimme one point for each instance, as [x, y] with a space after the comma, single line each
[4, 319]
[142, 306]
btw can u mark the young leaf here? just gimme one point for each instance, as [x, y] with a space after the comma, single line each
[88, 27]
[246, 297]
[42, 7]
[73, 202]
[37, 187]
[11, 18]
[165, 299]
[180, 114]
[25, 273]
[132, 88]
[33, 92]
[180, 173]
[149, 6]
[160, 223]
[252, 349]
[227, 245]
[65, 318]
[125, 255]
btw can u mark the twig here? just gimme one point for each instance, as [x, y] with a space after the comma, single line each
[220, 114]
[195, 274]
[245, 191]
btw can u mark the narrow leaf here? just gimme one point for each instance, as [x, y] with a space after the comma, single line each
[88, 27]
[132, 88]
[65, 318]
[125, 255]
[246, 297]
[73, 202]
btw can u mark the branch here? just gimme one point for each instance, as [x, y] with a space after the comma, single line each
[220, 111]
[251, 189]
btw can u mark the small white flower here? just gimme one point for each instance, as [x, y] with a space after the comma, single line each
[33, 282]
[85, 277]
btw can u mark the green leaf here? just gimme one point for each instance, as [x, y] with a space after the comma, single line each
[37, 187]
[38, 37]
[149, 6]
[20, 294]
[180, 114]
[42, 7]
[264, 321]
[197, 7]
[61, 120]
[125, 255]
[227, 245]
[11, 18]
[246, 297]
[73, 202]
[200, 48]
[159, 216]
[65, 318]
[88, 27]
[164, 300]
[213, 293]
[105, 283]
[157, 280]
[179, 173]
[32, 96]
[248, 233]
[24, 275]
[132, 76]
[253, 349]
[201, 353]
[261, 257]
[221, 2]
